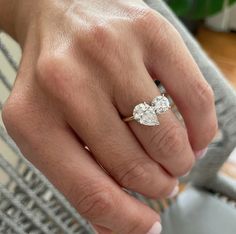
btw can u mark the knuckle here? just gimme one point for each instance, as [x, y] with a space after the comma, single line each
[158, 30]
[164, 31]
[171, 140]
[133, 174]
[98, 41]
[149, 19]
[100, 34]
[60, 82]
[95, 202]
[144, 17]
[165, 27]
[53, 75]
[46, 68]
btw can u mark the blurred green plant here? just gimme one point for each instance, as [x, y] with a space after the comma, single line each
[198, 9]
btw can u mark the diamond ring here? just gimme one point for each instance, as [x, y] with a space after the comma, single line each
[146, 114]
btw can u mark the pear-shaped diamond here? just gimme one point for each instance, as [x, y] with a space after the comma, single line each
[145, 114]
[160, 104]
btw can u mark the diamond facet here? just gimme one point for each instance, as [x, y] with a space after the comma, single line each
[160, 104]
[145, 114]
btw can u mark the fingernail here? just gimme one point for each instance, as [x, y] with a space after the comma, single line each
[174, 192]
[201, 153]
[155, 229]
[187, 174]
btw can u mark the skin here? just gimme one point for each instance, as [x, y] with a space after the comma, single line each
[85, 65]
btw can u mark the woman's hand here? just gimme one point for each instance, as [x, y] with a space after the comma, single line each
[85, 65]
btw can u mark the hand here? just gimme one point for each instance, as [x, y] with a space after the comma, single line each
[85, 65]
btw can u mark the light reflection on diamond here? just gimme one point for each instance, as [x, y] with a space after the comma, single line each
[160, 104]
[145, 114]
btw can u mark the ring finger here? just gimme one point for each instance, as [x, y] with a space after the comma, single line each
[168, 143]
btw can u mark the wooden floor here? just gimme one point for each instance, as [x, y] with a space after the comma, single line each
[221, 47]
